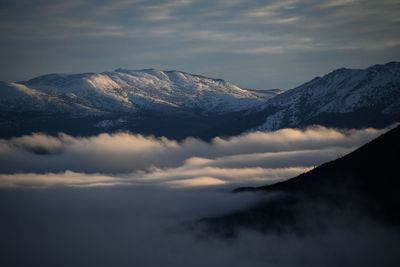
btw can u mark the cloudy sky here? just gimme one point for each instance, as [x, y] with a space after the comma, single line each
[254, 44]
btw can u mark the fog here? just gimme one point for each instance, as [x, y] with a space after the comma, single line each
[132, 200]
[147, 226]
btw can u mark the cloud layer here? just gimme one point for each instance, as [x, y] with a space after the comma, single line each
[253, 158]
[81, 212]
[146, 226]
[252, 43]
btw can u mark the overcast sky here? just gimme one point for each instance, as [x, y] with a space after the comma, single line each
[254, 44]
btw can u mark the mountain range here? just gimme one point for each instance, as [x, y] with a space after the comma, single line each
[178, 104]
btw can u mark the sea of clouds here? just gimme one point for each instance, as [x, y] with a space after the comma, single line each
[128, 200]
[40, 160]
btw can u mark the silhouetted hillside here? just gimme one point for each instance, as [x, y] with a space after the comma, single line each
[362, 184]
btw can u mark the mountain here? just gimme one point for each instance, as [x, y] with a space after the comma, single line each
[144, 101]
[268, 93]
[178, 104]
[343, 98]
[362, 185]
[129, 91]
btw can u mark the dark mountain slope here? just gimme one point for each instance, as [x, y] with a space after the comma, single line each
[364, 183]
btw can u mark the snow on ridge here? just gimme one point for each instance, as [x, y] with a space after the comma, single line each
[126, 90]
[340, 91]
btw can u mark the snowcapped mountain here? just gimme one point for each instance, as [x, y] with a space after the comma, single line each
[171, 103]
[342, 98]
[178, 104]
[130, 91]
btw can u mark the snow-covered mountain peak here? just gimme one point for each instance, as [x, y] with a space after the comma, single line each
[125, 90]
[173, 76]
[342, 91]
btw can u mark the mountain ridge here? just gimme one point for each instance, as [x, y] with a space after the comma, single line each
[179, 104]
[362, 185]
[338, 94]
[128, 90]
[153, 102]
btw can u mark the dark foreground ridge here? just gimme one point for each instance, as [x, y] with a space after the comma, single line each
[362, 184]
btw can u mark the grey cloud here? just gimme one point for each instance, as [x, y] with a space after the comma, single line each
[231, 19]
[258, 39]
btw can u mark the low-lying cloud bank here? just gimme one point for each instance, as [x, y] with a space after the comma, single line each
[109, 224]
[145, 226]
[260, 157]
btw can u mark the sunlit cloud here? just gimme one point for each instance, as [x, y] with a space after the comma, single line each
[185, 176]
[68, 178]
[124, 159]
[196, 182]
